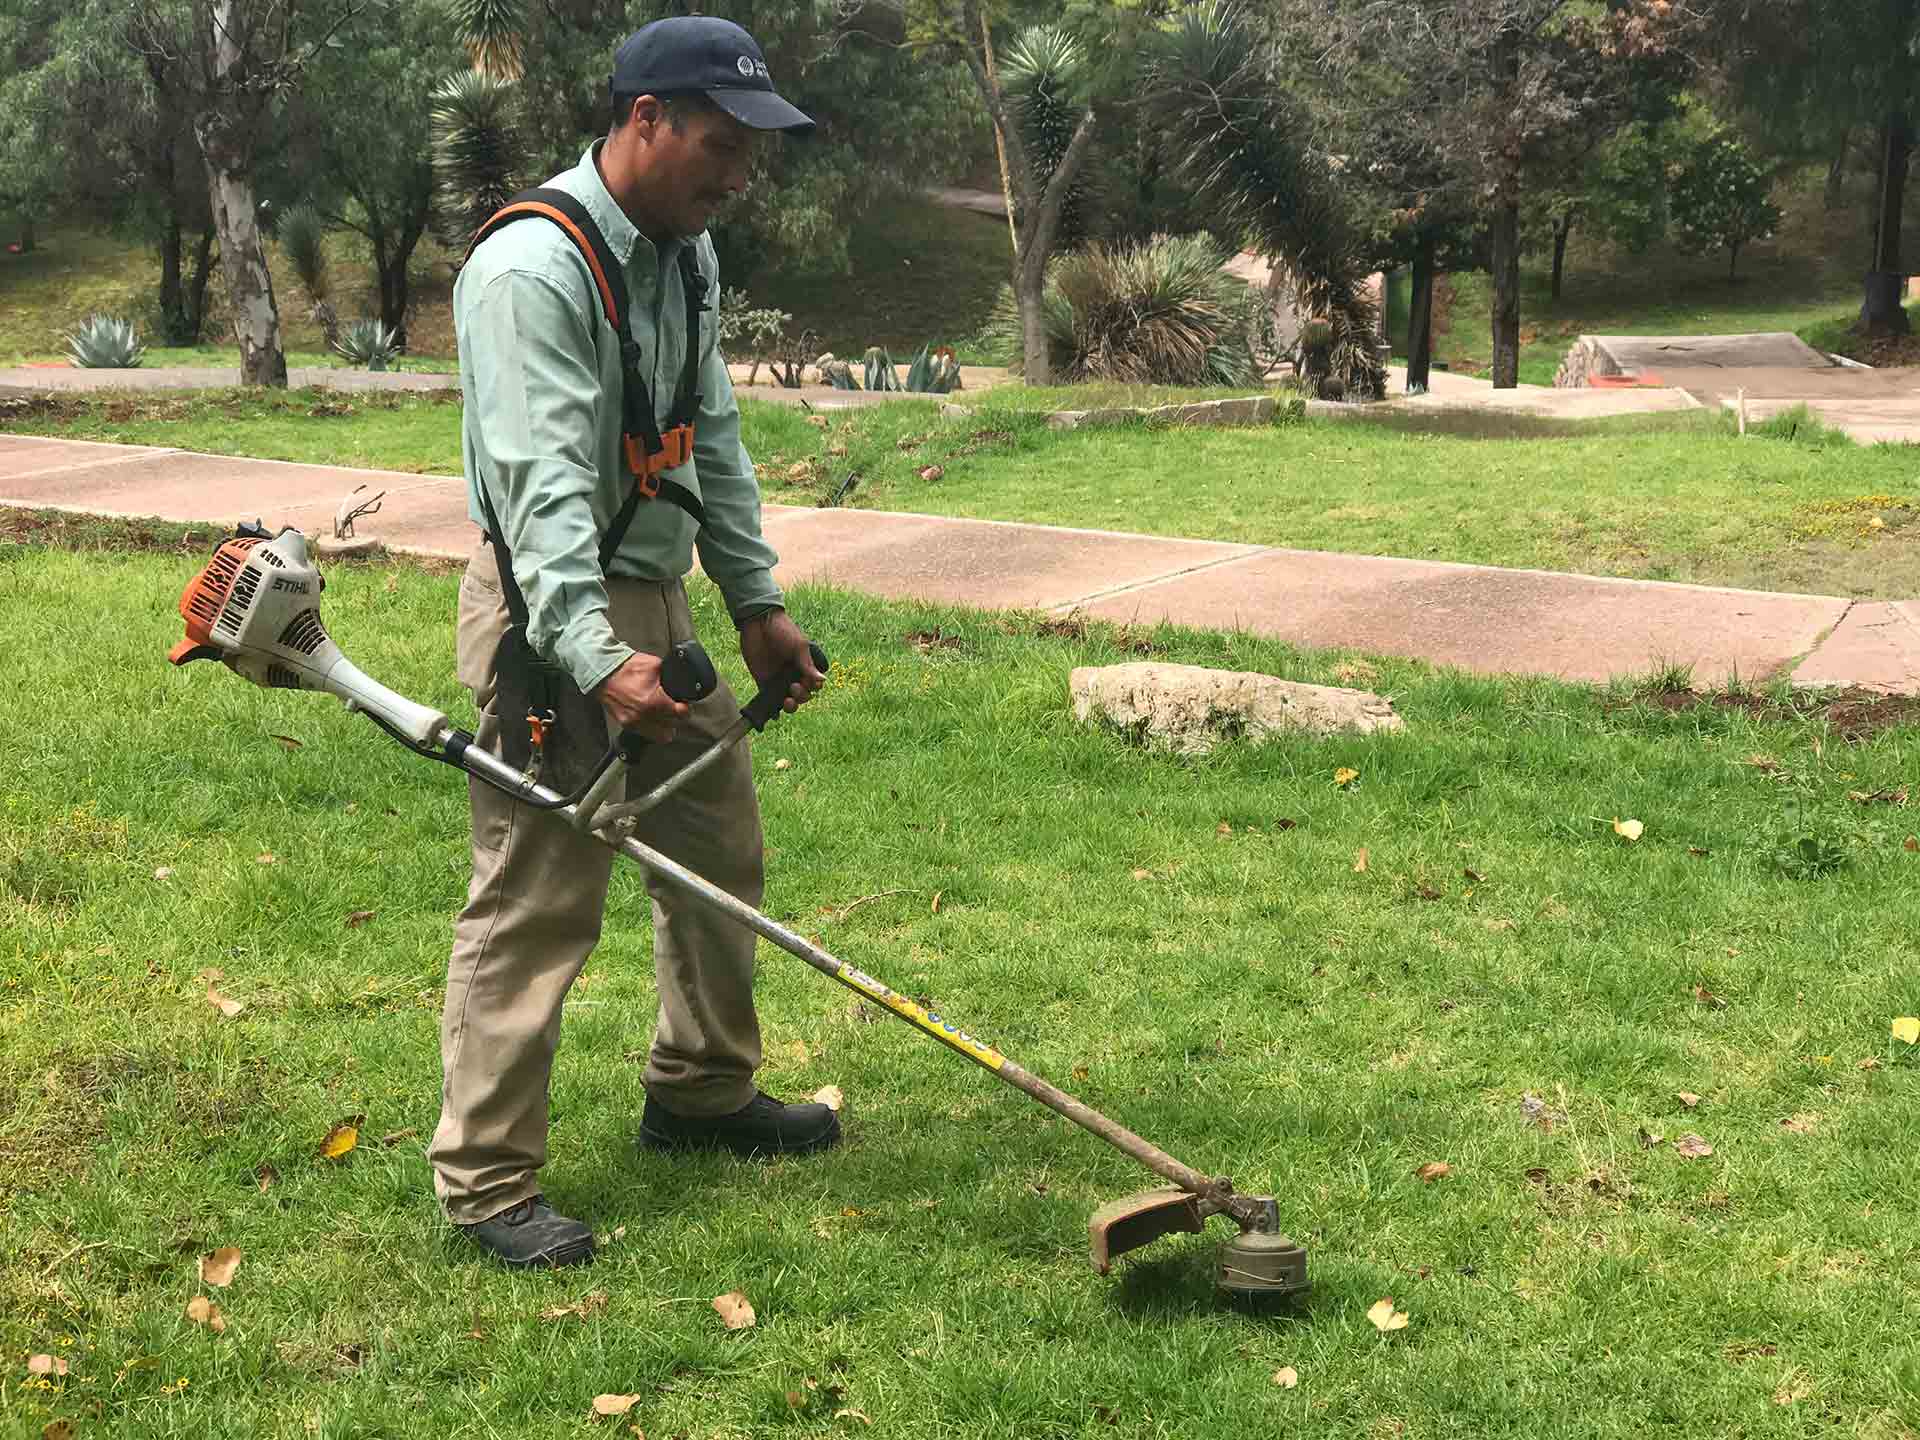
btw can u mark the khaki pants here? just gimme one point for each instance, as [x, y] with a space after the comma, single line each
[534, 911]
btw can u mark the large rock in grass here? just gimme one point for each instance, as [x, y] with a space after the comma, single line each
[1191, 709]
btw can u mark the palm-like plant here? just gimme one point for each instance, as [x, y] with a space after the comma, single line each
[476, 151]
[1043, 72]
[492, 32]
[1240, 136]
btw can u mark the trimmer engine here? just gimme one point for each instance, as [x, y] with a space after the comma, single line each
[255, 608]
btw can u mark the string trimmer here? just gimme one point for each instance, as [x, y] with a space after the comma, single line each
[255, 608]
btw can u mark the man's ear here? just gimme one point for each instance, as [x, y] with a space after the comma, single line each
[647, 113]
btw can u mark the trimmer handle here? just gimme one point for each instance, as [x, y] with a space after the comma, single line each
[766, 706]
[687, 675]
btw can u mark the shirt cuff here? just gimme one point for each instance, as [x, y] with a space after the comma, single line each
[591, 654]
[751, 594]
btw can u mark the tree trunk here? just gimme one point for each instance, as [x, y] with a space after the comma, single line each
[1733, 259]
[1837, 170]
[196, 310]
[170, 279]
[1881, 312]
[26, 234]
[1029, 290]
[1420, 318]
[225, 137]
[1562, 227]
[1506, 291]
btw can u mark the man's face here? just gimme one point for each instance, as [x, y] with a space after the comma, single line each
[696, 169]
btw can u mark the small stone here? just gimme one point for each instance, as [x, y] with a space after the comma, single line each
[1191, 709]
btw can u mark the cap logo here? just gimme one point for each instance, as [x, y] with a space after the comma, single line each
[745, 65]
[750, 67]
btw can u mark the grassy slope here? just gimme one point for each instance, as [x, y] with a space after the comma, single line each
[1805, 280]
[1247, 999]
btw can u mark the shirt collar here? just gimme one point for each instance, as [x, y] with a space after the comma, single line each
[622, 237]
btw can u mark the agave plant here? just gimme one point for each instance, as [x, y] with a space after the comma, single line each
[105, 342]
[880, 372]
[933, 372]
[368, 343]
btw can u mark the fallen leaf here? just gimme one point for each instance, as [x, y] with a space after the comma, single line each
[1143, 874]
[1223, 828]
[341, 1139]
[209, 975]
[1345, 776]
[1498, 925]
[1648, 1139]
[1791, 1393]
[1907, 1028]
[1286, 1377]
[1426, 892]
[289, 742]
[932, 473]
[1911, 843]
[1285, 824]
[734, 1311]
[936, 902]
[614, 1404]
[1433, 1170]
[1360, 860]
[46, 1365]
[1474, 875]
[266, 1175]
[1628, 829]
[584, 1308]
[1385, 1317]
[265, 857]
[223, 1004]
[57, 1430]
[837, 450]
[818, 420]
[1687, 1098]
[783, 764]
[1697, 852]
[1707, 998]
[357, 918]
[1538, 1175]
[218, 1268]
[1802, 1124]
[165, 872]
[1765, 764]
[203, 1311]
[850, 1414]
[1692, 1147]
[829, 1096]
[396, 1136]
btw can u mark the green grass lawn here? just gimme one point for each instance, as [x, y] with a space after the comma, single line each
[1186, 943]
[1806, 280]
[1670, 497]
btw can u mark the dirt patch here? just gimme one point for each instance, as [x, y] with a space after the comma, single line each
[928, 641]
[57, 530]
[1852, 714]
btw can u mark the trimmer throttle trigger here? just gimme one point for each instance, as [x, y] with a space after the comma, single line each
[687, 673]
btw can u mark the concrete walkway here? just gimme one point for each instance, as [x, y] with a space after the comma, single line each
[1479, 618]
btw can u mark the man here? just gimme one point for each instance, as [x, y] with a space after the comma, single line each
[541, 373]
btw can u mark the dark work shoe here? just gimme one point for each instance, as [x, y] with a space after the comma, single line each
[530, 1236]
[763, 1127]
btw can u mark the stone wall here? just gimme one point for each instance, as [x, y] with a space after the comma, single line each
[1585, 360]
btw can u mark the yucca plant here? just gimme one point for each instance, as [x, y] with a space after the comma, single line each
[1043, 71]
[476, 152]
[105, 342]
[302, 239]
[1161, 312]
[368, 343]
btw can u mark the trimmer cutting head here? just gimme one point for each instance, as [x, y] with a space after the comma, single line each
[1260, 1261]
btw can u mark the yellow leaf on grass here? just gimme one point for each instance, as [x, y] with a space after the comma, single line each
[733, 1310]
[357, 918]
[265, 857]
[1286, 1377]
[1693, 1147]
[46, 1365]
[203, 1311]
[227, 1007]
[1628, 829]
[614, 1404]
[1345, 776]
[1687, 1098]
[1143, 874]
[340, 1140]
[1802, 1124]
[1907, 1028]
[1360, 860]
[829, 1096]
[1434, 1170]
[1385, 1317]
[218, 1268]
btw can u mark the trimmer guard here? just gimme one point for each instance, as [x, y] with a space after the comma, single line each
[1141, 1219]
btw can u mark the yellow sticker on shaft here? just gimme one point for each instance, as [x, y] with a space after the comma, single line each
[921, 1017]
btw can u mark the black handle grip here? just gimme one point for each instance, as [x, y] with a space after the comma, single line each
[687, 675]
[765, 706]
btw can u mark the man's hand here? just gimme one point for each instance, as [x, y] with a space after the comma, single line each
[633, 699]
[772, 644]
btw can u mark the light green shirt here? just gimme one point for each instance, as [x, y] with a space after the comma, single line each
[540, 373]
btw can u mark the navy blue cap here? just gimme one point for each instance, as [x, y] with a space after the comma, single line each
[708, 54]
